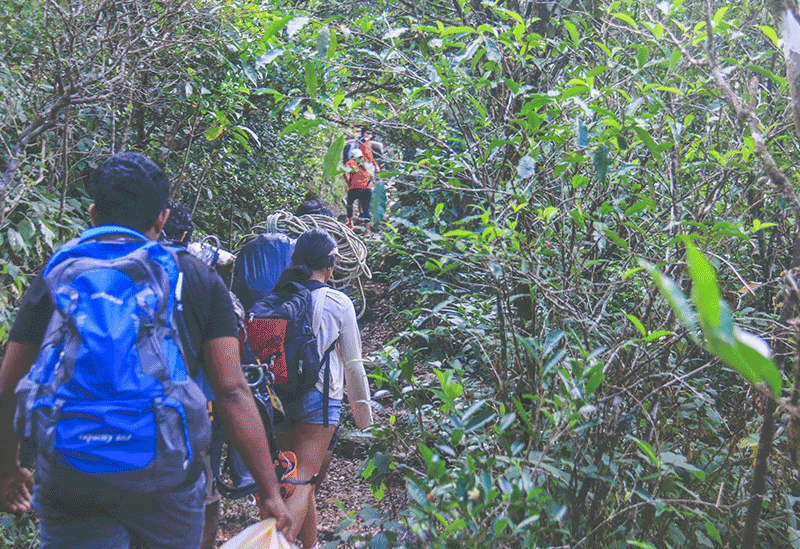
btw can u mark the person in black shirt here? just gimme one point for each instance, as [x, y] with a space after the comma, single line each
[130, 190]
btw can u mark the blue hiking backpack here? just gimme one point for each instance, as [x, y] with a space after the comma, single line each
[110, 395]
[258, 266]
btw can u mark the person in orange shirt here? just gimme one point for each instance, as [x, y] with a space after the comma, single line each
[367, 146]
[360, 183]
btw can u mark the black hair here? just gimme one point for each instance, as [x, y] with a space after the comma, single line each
[311, 253]
[178, 223]
[129, 189]
[314, 206]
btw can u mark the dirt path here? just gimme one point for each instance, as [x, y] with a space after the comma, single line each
[344, 493]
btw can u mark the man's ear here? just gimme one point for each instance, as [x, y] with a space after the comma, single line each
[92, 215]
[159, 223]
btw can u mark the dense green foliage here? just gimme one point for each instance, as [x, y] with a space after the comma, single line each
[538, 151]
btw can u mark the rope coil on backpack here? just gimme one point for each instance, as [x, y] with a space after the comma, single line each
[353, 265]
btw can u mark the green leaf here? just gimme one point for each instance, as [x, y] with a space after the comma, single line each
[642, 55]
[647, 449]
[332, 45]
[460, 233]
[770, 33]
[675, 57]
[594, 382]
[638, 323]
[678, 461]
[332, 159]
[417, 494]
[275, 27]
[601, 161]
[616, 239]
[27, 230]
[296, 24]
[675, 297]
[755, 351]
[250, 73]
[657, 334]
[581, 133]
[323, 40]
[458, 30]
[526, 167]
[705, 292]
[456, 526]
[640, 544]
[713, 532]
[492, 50]
[719, 16]
[572, 30]
[213, 133]
[267, 58]
[639, 206]
[311, 79]
[626, 18]
[16, 241]
[378, 204]
[379, 541]
[649, 142]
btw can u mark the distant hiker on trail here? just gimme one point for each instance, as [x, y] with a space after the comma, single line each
[359, 187]
[351, 143]
[369, 148]
[306, 430]
[118, 423]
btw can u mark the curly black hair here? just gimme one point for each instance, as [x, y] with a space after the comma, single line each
[178, 223]
[314, 206]
[129, 189]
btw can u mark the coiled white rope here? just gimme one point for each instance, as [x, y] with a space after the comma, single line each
[353, 265]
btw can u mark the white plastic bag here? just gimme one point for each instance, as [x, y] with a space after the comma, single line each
[261, 535]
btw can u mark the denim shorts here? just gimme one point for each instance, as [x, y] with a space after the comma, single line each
[308, 409]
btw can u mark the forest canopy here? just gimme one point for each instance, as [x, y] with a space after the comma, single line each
[589, 233]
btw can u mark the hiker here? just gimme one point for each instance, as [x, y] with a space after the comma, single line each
[359, 187]
[178, 231]
[313, 206]
[255, 276]
[179, 226]
[129, 489]
[303, 430]
[368, 148]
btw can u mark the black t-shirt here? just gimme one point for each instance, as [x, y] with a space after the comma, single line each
[207, 310]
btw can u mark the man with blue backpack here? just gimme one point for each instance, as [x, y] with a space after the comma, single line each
[103, 354]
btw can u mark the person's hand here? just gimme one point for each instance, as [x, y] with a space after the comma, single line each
[16, 491]
[275, 507]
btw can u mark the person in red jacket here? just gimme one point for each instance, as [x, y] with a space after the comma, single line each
[368, 148]
[360, 183]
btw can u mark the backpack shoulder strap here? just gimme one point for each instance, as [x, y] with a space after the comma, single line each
[316, 326]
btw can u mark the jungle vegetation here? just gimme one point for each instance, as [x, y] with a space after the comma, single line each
[591, 234]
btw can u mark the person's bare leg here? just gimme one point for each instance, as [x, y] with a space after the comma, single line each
[311, 448]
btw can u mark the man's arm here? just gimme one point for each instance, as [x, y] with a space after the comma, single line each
[234, 402]
[15, 482]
